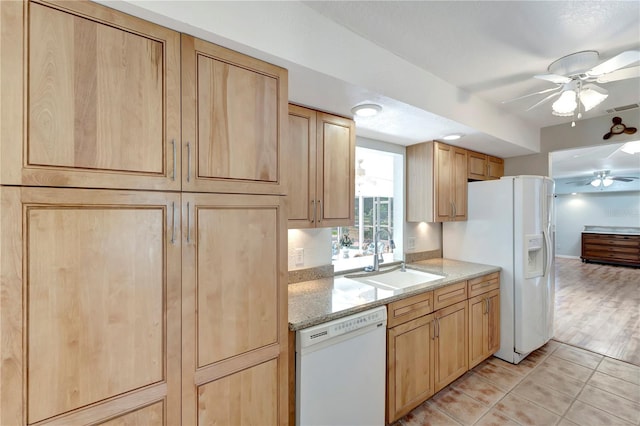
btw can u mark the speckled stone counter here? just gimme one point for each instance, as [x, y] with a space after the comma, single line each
[316, 301]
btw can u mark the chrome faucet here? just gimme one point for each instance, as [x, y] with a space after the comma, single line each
[377, 257]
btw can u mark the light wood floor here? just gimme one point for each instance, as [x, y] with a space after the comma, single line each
[598, 308]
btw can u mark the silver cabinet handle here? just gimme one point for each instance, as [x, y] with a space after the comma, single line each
[451, 208]
[173, 224]
[173, 174]
[434, 330]
[313, 206]
[188, 225]
[454, 209]
[188, 161]
[320, 214]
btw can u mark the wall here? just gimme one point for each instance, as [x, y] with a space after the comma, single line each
[563, 136]
[573, 212]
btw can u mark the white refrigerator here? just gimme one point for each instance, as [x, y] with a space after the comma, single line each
[511, 224]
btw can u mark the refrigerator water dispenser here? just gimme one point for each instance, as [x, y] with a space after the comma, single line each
[535, 255]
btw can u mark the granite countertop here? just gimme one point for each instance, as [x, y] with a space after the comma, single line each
[316, 301]
[618, 230]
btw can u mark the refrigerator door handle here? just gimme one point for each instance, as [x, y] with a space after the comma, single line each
[547, 248]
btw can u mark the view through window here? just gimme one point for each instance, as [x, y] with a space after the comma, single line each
[378, 204]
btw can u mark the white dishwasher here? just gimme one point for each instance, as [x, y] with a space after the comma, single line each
[340, 371]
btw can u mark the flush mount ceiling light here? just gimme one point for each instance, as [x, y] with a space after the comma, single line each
[366, 110]
[631, 147]
[452, 137]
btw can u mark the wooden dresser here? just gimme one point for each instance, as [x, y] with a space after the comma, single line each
[608, 244]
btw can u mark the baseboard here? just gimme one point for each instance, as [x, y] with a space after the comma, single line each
[567, 257]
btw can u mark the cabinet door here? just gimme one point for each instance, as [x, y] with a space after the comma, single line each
[443, 182]
[101, 91]
[478, 327]
[459, 180]
[484, 326]
[300, 166]
[493, 325]
[336, 138]
[409, 366]
[98, 272]
[234, 307]
[496, 167]
[451, 356]
[234, 116]
[477, 166]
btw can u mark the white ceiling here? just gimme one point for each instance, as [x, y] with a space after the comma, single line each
[437, 67]
[493, 48]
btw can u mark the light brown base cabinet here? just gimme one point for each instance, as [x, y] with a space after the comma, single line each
[431, 337]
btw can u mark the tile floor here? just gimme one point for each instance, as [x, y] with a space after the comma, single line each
[556, 385]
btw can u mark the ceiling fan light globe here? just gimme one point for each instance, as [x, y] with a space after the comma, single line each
[607, 181]
[591, 96]
[596, 182]
[566, 104]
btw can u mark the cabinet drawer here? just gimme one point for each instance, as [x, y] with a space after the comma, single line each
[449, 295]
[483, 284]
[410, 308]
[612, 255]
[605, 248]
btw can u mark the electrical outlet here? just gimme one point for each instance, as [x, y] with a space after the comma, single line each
[299, 256]
[411, 243]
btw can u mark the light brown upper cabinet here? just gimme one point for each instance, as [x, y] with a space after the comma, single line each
[320, 164]
[234, 112]
[436, 183]
[484, 167]
[91, 100]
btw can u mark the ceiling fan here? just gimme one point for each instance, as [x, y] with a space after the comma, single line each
[601, 179]
[574, 76]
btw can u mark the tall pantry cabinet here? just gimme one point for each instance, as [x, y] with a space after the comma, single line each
[142, 227]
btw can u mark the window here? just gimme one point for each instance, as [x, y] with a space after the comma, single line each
[378, 208]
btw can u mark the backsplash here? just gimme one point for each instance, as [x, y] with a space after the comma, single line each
[422, 255]
[315, 273]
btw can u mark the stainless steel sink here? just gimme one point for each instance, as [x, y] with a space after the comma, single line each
[396, 279]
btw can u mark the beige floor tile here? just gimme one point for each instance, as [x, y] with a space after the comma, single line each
[613, 404]
[616, 386]
[494, 418]
[578, 356]
[546, 397]
[427, 414]
[586, 415]
[568, 368]
[535, 358]
[554, 379]
[549, 347]
[501, 377]
[479, 389]
[525, 412]
[565, 422]
[459, 405]
[521, 369]
[621, 370]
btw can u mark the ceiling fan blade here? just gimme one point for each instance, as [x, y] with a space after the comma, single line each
[615, 63]
[621, 74]
[554, 78]
[551, 96]
[533, 94]
[623, 178]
